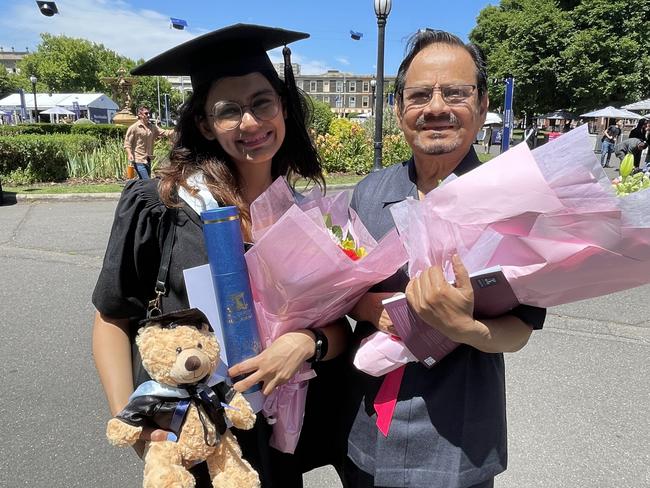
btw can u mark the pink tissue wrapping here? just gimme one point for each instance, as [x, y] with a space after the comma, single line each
[300, 278]
[590, 245]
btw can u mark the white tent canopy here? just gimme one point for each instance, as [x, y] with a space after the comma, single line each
[58, 111]
[612, 113]
[641, 105]
[492, 118]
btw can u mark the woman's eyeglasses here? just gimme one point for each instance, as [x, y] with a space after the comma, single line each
[228, 115]
[419, 96]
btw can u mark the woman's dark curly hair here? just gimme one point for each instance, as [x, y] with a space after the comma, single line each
[297, 156]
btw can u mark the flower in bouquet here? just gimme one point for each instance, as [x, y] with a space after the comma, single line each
[347, 245]
[630, 180]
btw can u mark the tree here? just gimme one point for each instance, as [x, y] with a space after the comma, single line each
[8, 83]
[322, 116]
[572, 54]
[67, 65]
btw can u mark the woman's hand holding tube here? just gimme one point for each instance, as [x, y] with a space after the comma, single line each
[277, 363]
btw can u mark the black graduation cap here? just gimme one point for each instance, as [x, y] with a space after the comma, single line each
[188, 317]
[356, 35]
[47, 8]
[232, 51]
[178, 24]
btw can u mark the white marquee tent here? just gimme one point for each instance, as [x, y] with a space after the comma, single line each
[95, 106]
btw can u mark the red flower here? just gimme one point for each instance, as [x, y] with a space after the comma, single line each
[350, 253]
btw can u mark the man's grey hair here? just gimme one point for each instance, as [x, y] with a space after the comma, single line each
[426, 37]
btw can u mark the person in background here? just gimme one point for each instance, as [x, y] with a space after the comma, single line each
[632, 146]
[487, 140]
[449, 423]
[139, 141]
[608, 141]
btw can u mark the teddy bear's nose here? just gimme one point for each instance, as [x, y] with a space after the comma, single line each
[192, 363]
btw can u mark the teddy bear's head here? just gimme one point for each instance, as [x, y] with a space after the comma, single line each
[178, 348]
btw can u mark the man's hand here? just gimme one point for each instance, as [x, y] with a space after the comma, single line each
[447, 307]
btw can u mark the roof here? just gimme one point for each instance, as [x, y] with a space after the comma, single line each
[47, 100]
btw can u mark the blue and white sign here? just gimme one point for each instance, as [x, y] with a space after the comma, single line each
[508, 116]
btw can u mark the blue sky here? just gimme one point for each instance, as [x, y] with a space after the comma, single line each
[140, 29]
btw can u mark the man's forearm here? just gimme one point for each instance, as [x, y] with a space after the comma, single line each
[504, 334]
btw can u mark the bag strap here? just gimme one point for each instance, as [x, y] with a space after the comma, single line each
[154, 309]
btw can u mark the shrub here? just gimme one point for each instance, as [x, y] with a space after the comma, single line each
[33, 158]
[100, 131]
[321, 118]
[395, 149]
[345, 148]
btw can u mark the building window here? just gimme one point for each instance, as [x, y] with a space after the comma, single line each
[339, 101]
[326, 99]
[339, 87]
[300, 84]
[326, 86]
[352, 102]
[353, 86]
[365, 101]
[366, 86]
[312, 86]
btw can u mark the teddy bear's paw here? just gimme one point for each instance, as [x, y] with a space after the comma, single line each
[168, 477]
[241, 415]
[237, 479]
[122, 434]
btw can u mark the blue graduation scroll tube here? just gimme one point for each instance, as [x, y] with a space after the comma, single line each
[225, 249]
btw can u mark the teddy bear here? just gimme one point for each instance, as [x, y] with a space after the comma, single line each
[180, 352]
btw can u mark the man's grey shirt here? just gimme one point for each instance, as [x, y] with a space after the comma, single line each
[449, 424]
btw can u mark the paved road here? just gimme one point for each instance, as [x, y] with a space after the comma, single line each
[578, 394]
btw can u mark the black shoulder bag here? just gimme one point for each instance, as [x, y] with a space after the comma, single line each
[155, 305]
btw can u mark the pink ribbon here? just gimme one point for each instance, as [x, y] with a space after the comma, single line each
[386, 399]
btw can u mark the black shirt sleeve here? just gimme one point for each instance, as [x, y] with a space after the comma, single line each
[127, 279]
[533, 316]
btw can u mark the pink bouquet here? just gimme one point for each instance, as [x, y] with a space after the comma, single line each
[302, 277]
[549, 218]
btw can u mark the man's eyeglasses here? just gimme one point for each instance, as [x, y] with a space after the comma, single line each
[228, 115]
[145, 113]
[419, 96]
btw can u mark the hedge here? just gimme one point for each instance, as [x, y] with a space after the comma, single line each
[32, 158]
[100, 131]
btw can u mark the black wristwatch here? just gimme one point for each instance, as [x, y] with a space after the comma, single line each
[321, 346]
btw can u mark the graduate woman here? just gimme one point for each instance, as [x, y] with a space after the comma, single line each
[242, 127]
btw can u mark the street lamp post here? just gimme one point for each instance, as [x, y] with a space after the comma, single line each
[34, 80]
[373, 85]
[382, 9]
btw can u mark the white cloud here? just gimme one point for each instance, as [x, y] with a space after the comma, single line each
[117, 25]
[344, 61]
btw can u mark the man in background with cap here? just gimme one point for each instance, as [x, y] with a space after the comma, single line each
[447, 427]
[139, 141]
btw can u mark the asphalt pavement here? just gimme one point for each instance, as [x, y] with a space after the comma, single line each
[578, 394]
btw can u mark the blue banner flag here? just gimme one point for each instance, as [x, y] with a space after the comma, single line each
[179, 24]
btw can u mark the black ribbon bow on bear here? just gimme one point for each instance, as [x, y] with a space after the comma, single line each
[212, 400]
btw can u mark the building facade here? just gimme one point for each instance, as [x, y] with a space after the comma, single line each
[9, 59]
[345, 93]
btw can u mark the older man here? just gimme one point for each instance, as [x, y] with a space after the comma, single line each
[139, 140]
[449, 425]
[631, 146]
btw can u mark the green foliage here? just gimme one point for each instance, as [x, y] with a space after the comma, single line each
[145, 94]
[107, 161]
[8, 83]
[100, 131]
[68, 65]
[571, 54]
[30, 158]
[322, 117]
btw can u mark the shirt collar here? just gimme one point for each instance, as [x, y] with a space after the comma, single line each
[404, 185]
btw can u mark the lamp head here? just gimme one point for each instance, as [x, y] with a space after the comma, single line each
[382, 7]
[33, 79]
